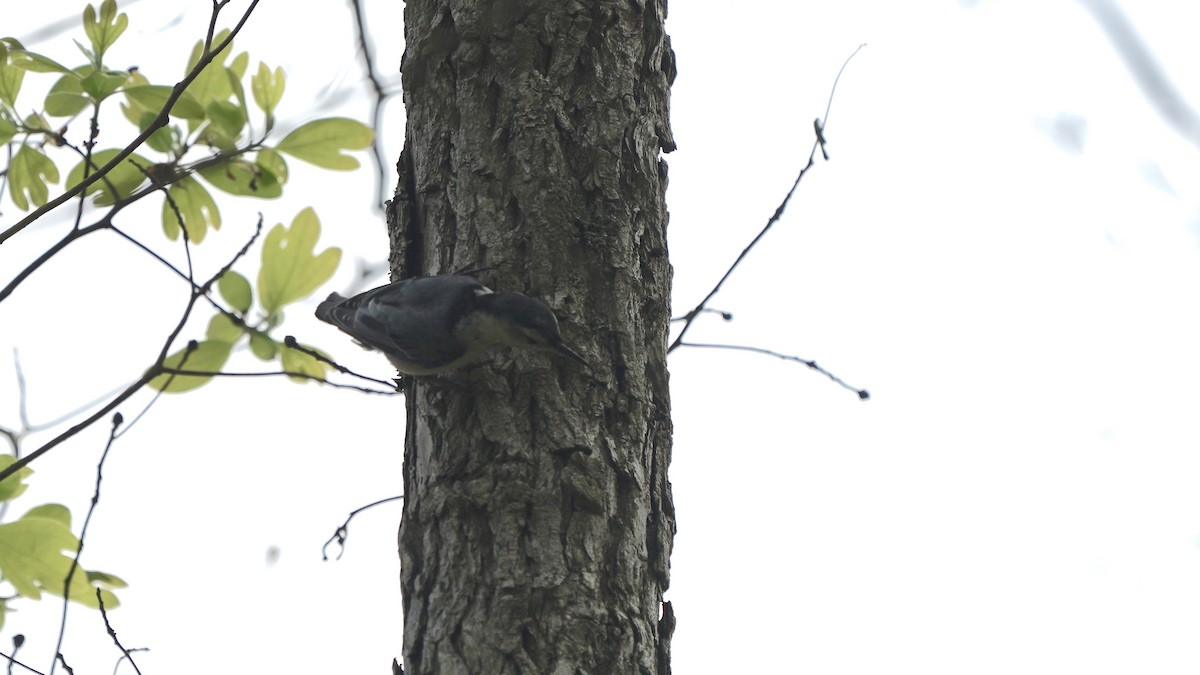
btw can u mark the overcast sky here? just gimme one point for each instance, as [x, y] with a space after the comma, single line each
[1002, 249]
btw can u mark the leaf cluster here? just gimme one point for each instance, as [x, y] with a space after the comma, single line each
[291, 270]
[38, 550]
[190, 141]
[202, 134]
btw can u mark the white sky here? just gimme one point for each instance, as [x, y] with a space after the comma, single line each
[1020, 494]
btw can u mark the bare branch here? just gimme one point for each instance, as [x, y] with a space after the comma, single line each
[151, 373]
[862, 393]
[62, 628]
[13, 661]
[698, 309]
[113, 634]
[343, 530]
[368, 56]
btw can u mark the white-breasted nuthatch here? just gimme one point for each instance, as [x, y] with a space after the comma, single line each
[435, 324]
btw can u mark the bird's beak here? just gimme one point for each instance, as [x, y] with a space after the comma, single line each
[569, 353]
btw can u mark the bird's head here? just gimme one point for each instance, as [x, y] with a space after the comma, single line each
[520, 321]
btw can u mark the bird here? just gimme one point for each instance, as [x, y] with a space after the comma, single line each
[436, 324]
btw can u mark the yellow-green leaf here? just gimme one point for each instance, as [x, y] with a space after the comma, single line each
[105, 580]
[195, 204]
[63, 104]
[289, 269]
[28, 174]
[273, 163]
[212, 84]
[222, 329]
[322, 142]
[10, 82]
[263, 347]
[208, 356]
[104, 31]
[235, 289]
[125, 176]
[102, 83]
[226, 117]
[37, 63]
[36, 553]
[7, 131]
[12, 487]
[153, 98]
[267, 88]
[296, 361]
[239, 177]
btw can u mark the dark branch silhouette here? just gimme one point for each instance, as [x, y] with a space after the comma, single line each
[343, 530]
[702, 307]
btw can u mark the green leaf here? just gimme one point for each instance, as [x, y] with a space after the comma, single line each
[235, 289]
[66, 97]
[56, 512]
[296, 361]
[36, 553]
[164, 139]
[153, 98]
[12, 487]
[263, 347]
[35, 123]
[105, 30]
[321, 142]
[208, 356]
[102, 83]
[106, 580]
[238, 65]
[222, 329]
[125, 177]
[226, 117]
[10, 83]
[36, 63]
[235, 83]
[196, 205]
[28, 174]
[273, 163]
[7, 131]
[289, 269]
[267, 88]
[239, 177]
[212, 84]
[87, 53]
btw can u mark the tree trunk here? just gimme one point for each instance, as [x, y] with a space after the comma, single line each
[538, 520]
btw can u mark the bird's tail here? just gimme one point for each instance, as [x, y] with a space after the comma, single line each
[326, 308]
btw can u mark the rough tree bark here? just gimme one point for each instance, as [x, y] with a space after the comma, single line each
[538, 520]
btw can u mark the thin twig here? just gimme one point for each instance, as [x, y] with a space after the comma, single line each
[276, 373]
[291, 343]
[106, 222]
[862, 393]
[343, 531]
[62, 628]
[151, 373]
[11, 660]
[691, 316]
[368, 56]
[113, 634]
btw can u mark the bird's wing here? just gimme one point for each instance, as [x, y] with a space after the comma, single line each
[408, 319]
